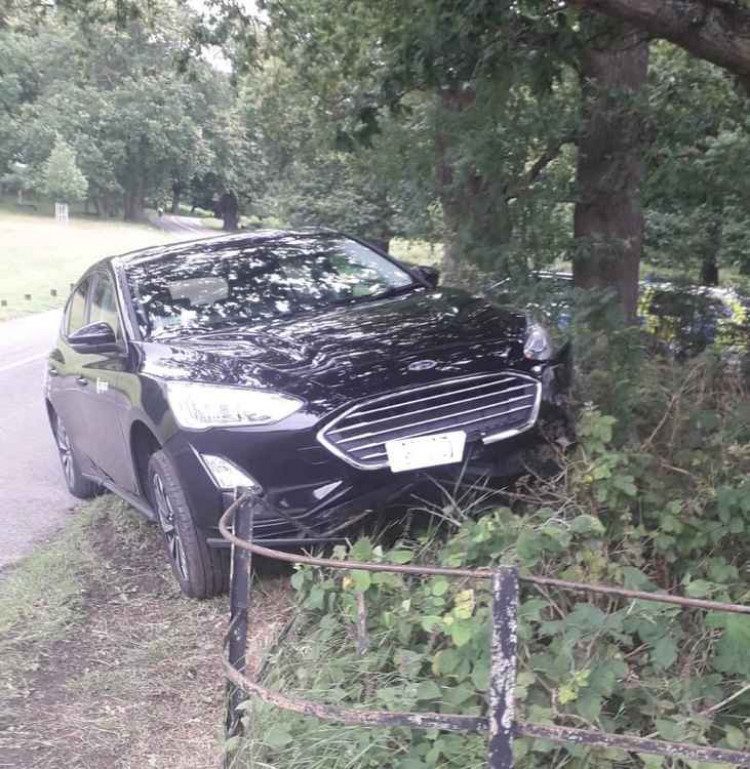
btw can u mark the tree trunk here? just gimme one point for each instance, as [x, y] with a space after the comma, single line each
[475, 211]
[176, 196]
[608, 221]
[714, 232]
[134, 209]
[383, 243]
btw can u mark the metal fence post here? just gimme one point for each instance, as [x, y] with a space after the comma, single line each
[503, 667]
[239, 590]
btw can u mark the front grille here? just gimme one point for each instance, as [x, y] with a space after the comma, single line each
[486, 406]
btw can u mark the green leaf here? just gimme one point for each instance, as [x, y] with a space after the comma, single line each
[429, 690]
[400, 556]
[298, 580]
[480, 675]
[587, 524]
[735, 737]
[669, 730]
[362, 550]
[651, 762]
[277, 736]
[589, 705]
[458, 695]
[439, 586]
[464, 604]
[446, 662]
[430, 621]
[699, 588]
[664, 653]
[461, 633]
[362, 579]
[738, 628]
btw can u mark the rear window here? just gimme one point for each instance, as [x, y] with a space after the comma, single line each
[77, 317]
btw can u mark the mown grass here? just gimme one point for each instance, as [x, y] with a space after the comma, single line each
[39, 256]
[103, 662]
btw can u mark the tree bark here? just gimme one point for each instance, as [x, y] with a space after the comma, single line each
[714, 233]
[714, 30]
[176, 197]
[608, 221]
[134, 209]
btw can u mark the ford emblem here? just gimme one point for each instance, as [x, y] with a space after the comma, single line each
[422, 365]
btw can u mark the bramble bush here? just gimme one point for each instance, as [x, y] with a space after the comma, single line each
[659, 504]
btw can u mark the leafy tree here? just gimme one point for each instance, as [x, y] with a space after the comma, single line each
[696, 183]
[307, 171]
[140, 116]
[61, 177]
[493, 138]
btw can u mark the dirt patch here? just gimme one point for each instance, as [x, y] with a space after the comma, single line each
[135, 680]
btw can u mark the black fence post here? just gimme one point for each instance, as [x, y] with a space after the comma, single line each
[239, 591]
[503, 667]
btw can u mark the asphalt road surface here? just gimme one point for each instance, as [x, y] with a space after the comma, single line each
[34, 501]
[185, 227]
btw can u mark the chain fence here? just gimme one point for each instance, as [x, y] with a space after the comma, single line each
[500, 723]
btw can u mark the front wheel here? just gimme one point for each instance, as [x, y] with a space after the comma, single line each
[201, 571]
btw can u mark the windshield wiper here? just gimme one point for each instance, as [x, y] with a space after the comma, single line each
[388, 293]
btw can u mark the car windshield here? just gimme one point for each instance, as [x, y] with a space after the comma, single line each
[258, 279]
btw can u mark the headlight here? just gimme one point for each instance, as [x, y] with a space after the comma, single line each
[199, 406]
[538, 345]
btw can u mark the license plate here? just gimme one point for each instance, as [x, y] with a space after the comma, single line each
[426, 451]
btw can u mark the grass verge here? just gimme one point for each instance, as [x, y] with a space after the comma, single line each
[39, 256]
[103, 662]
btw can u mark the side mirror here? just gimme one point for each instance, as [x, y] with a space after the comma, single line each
[430, 275]
[94, 337]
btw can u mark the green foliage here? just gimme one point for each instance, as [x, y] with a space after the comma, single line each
[666, 509]
[61, 177]
[696, 186]
[140, 114]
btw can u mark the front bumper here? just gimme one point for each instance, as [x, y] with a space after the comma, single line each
[315, 496]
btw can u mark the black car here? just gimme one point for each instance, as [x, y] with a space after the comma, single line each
[307, 365]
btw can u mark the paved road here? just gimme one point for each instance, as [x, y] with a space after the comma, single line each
[186, 227]
[34, 501]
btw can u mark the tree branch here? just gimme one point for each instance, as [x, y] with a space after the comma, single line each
[715, 30]
[522, 185]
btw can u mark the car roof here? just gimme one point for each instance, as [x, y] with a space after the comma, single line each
[213, 243]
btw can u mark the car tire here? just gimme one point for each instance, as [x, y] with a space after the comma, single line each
[78, 485]
[201, 571]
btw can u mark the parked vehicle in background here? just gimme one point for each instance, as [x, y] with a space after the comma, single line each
[689, 319]
[685, 319]
[306, 365]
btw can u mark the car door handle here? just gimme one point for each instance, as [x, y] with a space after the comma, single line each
[52, 371]
[81, 380]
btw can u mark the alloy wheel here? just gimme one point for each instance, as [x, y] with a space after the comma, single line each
[66, 453]
[165, 513]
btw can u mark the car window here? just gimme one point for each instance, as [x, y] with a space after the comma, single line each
[257, 280]
[77, 315]
[104, 303]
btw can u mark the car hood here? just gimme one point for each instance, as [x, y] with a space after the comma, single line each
[330, 358]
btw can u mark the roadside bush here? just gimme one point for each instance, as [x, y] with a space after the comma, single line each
[661, 505]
